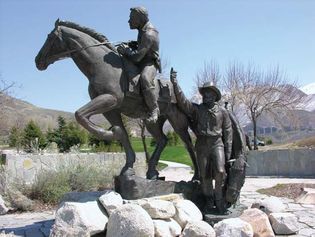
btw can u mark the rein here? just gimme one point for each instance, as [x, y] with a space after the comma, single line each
[66, 53]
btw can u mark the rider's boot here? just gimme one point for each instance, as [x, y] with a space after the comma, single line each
[151, 101]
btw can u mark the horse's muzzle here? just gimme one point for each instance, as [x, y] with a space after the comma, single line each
[40, 64]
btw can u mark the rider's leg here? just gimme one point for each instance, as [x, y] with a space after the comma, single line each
[148, 89]
[98, 105]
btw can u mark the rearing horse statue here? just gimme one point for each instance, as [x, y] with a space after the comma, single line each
[105, 69]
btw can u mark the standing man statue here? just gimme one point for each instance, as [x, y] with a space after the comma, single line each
[213, 129]
[145, 53]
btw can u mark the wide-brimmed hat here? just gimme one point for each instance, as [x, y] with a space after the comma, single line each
[209, 86]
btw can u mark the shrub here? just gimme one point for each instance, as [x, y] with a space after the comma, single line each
[50, 186]
[269, 141]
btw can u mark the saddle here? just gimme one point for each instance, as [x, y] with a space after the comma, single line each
[132, 88]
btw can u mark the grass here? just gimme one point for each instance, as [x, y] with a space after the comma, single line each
[177, 153]
[161, 166]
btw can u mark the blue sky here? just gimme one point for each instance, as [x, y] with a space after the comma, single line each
[267, 33]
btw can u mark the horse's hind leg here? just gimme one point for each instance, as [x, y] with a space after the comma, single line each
[156, 130]
[180, 123]
[114, 118]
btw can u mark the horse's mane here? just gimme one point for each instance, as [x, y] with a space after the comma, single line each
[99, 37]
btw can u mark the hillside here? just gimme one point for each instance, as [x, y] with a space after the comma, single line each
[15, 112]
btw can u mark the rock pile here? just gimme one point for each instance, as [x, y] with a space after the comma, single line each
[165, 216]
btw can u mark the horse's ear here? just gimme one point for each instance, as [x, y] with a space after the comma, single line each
[57, 23]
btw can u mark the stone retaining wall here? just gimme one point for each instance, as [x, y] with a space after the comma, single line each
[26, 166]
[298, 163]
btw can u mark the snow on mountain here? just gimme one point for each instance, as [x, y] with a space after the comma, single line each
[308, 89]
[310, 103]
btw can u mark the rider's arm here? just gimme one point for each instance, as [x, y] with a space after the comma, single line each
[227, 134]
[143, 48]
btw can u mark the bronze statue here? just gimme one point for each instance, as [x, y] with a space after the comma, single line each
[99, 61]
[213, 129]
[145, 54]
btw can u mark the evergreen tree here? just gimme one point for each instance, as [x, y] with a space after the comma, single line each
[16, 137]
[67, 135]
[33, 137]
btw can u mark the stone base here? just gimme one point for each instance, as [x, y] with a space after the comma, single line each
[132, 187]
[233, 212]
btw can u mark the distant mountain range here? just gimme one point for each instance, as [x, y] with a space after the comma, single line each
[308, 89]
[16, 112]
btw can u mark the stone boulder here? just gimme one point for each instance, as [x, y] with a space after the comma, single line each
[186, 211]
[233, 227]
[166, 228]
[130, 220]
[307, 196]
[197, 229]
[3, 207]
[259, 222]
[3, 234]
[269, 205]
[79, 219]
[169, 197]
[110, 201]
[82, 196]
[284, 223]
[160, 209]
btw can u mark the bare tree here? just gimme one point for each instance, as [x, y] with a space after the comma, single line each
[261, 92]
[5, 90]
[209, 72]
[231, 82]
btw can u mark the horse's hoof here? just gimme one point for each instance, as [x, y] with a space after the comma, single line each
[195, 178]
[153, 175]
[127, 171]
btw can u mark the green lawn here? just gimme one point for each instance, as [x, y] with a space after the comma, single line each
[170, 153]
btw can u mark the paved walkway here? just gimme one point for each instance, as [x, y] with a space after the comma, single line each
[29, 224]
[39, 224]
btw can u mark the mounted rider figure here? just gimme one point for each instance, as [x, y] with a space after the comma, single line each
[145, 54]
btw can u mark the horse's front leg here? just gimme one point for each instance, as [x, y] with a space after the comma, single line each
[99, 105]
[114, 117]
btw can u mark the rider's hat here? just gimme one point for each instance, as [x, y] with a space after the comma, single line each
[209, 86]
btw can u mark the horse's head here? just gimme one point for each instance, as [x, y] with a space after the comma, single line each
[52, 50]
